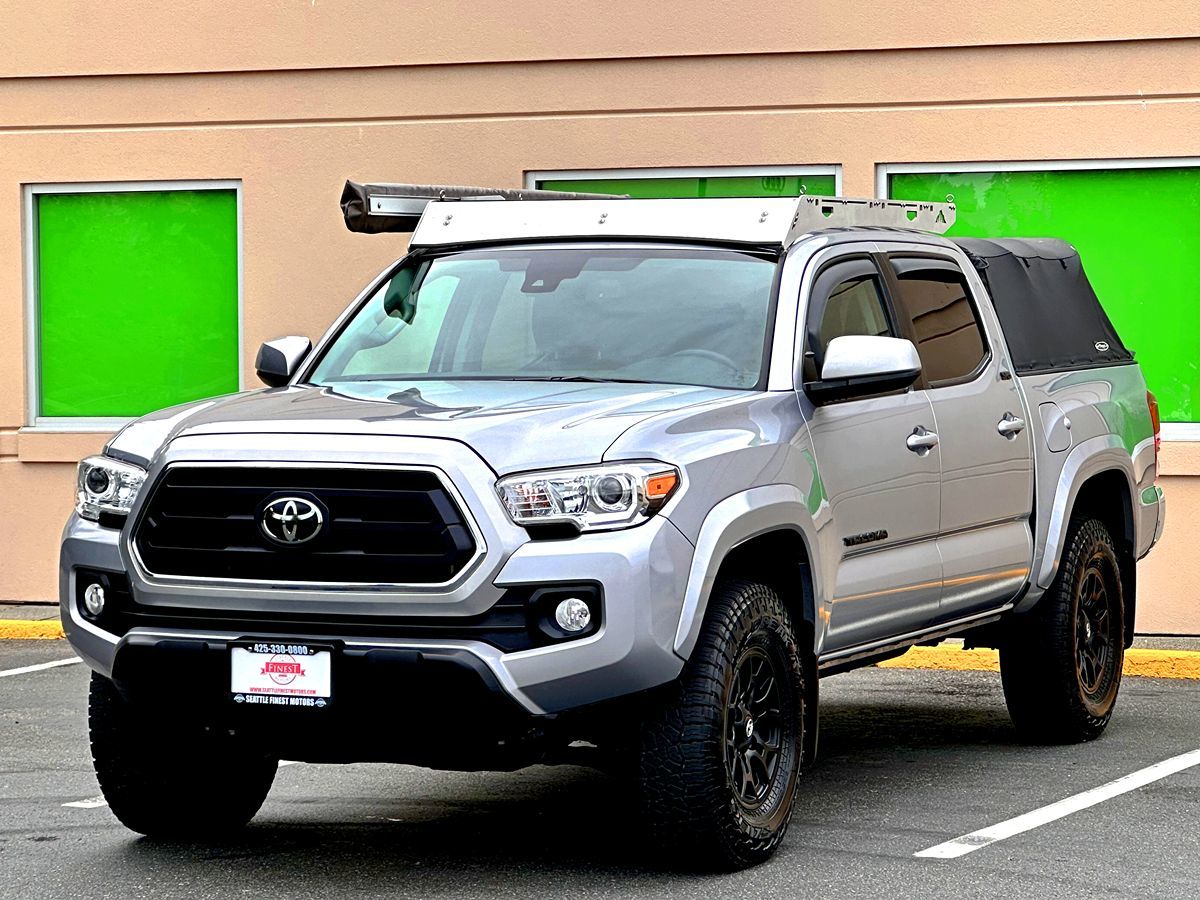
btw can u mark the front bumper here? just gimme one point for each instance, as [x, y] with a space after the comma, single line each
[642, 573]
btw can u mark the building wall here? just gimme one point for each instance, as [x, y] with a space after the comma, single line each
[292, 98]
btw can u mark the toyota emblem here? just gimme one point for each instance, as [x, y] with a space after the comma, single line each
[291, 520]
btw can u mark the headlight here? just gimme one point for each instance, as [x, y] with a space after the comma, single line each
[593, 498]
[107, 486]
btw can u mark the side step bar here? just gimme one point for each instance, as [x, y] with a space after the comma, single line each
[842, 660]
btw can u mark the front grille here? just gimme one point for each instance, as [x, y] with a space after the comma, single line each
[380, 526]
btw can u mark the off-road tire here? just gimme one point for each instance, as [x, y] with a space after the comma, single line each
[689, 756]
[1061, 674]
[164, 778]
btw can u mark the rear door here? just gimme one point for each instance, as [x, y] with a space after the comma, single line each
[883, 496]
[984, 539]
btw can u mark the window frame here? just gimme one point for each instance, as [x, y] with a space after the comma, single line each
[34, 420]
[1171, 431]
[534, 177]
[938, 261]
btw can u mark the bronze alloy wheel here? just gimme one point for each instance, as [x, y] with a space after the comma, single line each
[1061, 662]
[1093, 629]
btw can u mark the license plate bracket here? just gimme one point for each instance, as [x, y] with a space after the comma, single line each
[281, 673]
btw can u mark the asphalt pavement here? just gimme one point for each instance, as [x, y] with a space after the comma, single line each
[910, 759]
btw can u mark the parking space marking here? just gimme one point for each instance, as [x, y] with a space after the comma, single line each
[97, 802]
[50, 665]
[977, 840]
[89, 803]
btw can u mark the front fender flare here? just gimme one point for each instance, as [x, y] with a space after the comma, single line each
[731, 522]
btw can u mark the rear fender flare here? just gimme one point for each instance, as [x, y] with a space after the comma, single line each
[1099, 454]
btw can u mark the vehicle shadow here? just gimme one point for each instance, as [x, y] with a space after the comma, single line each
[390, 829]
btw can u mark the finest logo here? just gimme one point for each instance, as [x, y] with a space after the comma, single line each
[291, 520]
[282, 669]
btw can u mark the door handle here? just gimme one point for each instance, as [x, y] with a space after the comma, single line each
[921, 441]
[1010, 426]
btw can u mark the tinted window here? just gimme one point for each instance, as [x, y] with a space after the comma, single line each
[949, 339]
[855, 306]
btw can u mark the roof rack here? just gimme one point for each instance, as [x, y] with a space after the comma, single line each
[377, 208]
[778, 221]
[814, 213]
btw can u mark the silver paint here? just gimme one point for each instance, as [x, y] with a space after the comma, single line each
[963, 530]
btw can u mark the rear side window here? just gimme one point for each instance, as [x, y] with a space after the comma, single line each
[948, 335]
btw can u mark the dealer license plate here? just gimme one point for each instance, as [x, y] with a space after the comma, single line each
[281, 674]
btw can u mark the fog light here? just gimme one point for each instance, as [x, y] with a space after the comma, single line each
[93, 600]
[573, 615]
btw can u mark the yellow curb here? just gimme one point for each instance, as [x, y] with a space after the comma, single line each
[28, 630]
[951, 659]
[1139, 661]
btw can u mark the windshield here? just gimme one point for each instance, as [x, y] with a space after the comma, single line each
[646, 314]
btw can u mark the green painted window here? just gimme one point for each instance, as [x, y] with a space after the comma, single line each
[716, 186]
[1138, 233]
[137, 300]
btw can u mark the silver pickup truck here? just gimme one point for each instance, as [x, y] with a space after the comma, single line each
[619, 481]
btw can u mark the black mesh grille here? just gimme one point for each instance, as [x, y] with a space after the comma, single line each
[396, 526]
[506, 625]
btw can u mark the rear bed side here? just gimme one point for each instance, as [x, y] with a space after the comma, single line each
[1094, 449]
[1094, 435]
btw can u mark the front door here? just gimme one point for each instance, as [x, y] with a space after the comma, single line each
[880, 484]
[985, 538]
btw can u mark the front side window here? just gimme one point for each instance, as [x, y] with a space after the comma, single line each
[854, 307]
[949, 339]
[847, 299]
[646, 315]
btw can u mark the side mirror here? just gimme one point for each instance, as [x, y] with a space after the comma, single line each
[278, 360]
[859, 365]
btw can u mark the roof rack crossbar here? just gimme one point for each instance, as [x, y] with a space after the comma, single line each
[814, 213]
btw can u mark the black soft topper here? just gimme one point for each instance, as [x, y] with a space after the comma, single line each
[1051, 317]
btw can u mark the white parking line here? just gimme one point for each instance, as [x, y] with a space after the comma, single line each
[977, 840]
[40, 666]
[89, 803]
[97, 802]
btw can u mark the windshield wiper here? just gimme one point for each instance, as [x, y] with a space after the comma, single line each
[588, 378]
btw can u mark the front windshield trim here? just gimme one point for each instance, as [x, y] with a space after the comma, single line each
[429, 255]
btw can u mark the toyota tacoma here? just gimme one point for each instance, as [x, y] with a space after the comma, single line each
[617, 480]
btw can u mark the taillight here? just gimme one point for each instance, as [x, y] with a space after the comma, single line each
[1152, 402]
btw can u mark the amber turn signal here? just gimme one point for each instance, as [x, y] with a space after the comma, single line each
[659, 487]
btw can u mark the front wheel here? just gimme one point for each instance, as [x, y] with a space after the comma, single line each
[1061, 667]
[164, 778]
[721, 759]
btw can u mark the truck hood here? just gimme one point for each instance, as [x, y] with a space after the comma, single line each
[512, 425]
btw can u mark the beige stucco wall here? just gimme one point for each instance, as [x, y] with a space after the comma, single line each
[291, 98]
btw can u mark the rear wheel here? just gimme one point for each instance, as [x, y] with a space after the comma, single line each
[166, 778]
[1062, 667]
[720, 761]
